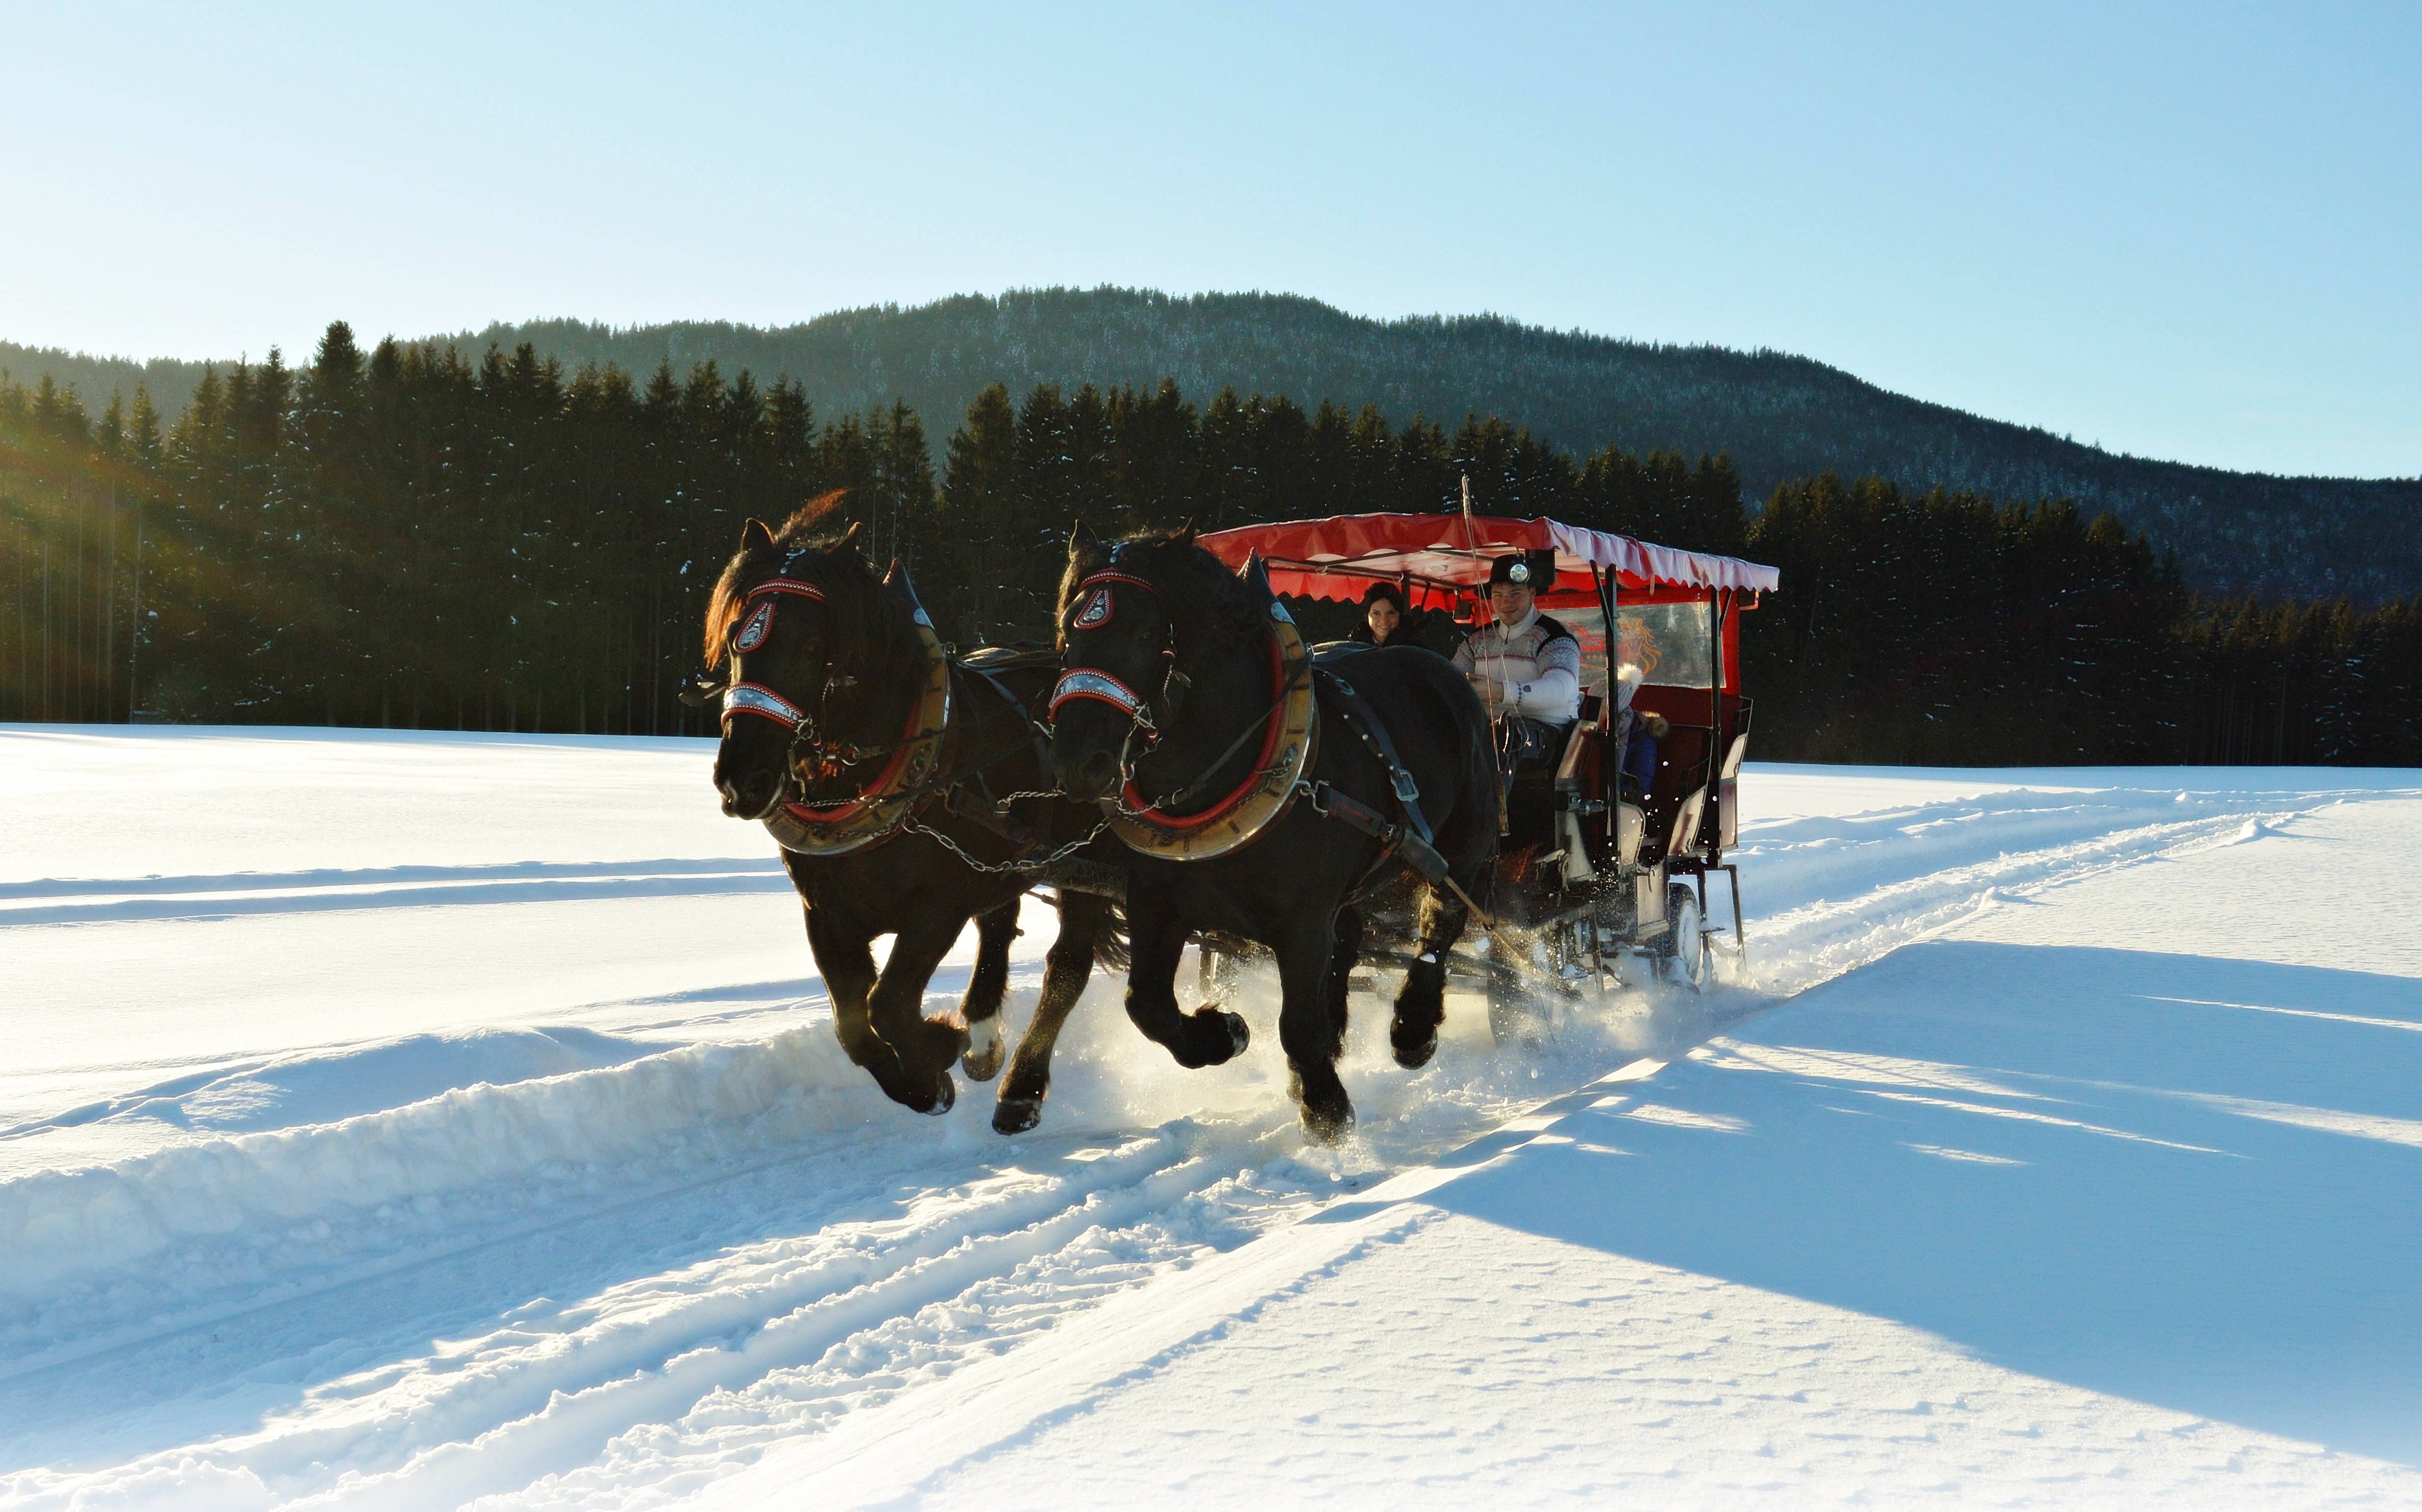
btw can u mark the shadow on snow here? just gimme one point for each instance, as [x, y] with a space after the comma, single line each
[2184, 1181]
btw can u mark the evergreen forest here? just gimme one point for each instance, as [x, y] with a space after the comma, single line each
[1778, 416]
[410, 537]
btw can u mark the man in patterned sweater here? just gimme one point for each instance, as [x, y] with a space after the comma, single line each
[1526, 668]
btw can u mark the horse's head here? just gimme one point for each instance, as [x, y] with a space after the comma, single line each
[1136, 623]
[805, 626]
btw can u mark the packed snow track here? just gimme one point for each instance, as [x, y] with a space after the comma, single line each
[433, 1119]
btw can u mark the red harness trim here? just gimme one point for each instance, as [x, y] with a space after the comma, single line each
[750, 628]
[870, 793]
[1109, 575]
[1120, 697]
[1139, 804]
[786, 584]
[754, 630]
[762, 702]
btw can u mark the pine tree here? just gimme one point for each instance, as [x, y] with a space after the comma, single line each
[979, 489]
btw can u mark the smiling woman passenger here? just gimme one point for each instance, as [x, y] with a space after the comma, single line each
[1383, 617]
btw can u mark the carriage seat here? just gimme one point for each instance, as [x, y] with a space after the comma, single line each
[1630, 828]
[1669, 810]
[1531, 798]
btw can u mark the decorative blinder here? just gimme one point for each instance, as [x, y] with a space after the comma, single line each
[1097, 610]
[754, 630]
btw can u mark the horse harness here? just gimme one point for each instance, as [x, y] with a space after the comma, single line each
[1409, 841]
[991, 810]
[1289, 731]
[1277, 779]
[894, 801]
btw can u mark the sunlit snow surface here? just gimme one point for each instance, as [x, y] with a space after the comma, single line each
[407, 1121]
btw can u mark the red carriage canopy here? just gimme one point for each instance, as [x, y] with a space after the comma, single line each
[1339, 558]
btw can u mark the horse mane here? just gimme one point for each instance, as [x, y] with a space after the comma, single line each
[1207, 603]
[856, 596]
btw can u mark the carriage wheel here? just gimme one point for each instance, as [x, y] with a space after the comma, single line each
[1684, 959]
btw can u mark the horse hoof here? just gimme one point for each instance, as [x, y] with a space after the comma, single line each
[946, 1094]
[944, 1041]
[987, 1050]
[1414, 1057]
[1211, 1037]
[1327, 1126]
[1016, 1115]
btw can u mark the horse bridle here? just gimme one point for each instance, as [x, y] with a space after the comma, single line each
[764, 702]
[1104, 686]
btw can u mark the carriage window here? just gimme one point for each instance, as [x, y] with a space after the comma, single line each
[1589, 628]
[1669, 641]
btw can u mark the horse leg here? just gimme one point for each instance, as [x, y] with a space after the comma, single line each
[1155, 940]
[1421, 1002]
[1083, 921]
[1343, 955]
[926, 1047]
[848, 970]
[1309, 1033]
[987, 985]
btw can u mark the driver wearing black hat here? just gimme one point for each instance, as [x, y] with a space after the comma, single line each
[1526, 668]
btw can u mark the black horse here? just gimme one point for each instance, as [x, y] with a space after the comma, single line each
[886, 771]
[1175, 678]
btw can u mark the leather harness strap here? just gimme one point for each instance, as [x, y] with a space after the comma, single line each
[1409, 841]
[1396, 839]
[1367, 724]
[991, 813]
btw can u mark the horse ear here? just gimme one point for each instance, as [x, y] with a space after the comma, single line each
[1256, 576]
[755, 537]
[1186, 532]
[1081, 541]
[849, 537]
[897, 583]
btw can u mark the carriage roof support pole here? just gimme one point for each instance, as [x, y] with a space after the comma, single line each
[1604, 582]
[1715, 704]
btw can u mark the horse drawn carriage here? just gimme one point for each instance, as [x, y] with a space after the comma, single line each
[1593, 873]
[1182, 749]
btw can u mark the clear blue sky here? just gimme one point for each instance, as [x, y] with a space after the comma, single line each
[2189, 231]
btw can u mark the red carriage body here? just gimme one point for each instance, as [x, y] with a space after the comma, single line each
[1676, 615]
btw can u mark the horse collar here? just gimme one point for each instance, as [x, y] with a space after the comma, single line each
[1268, 790]
[887, 803]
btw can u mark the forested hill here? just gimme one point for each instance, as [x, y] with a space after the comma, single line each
[1778, 416]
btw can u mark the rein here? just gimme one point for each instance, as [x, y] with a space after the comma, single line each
[1157, 808]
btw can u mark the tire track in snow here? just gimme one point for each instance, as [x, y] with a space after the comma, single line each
[681, 1376]
[1838, 930]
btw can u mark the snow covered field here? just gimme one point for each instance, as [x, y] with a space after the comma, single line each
[417, 1121]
